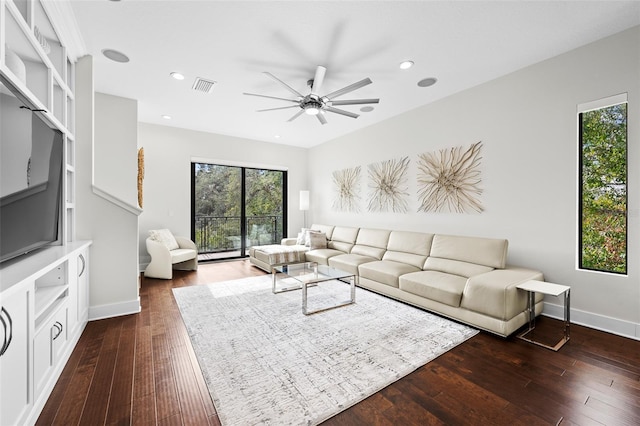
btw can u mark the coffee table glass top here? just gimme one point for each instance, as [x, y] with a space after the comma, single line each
[311, 272]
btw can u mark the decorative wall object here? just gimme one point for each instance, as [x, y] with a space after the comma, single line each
[449, 180]
[388, 184]
[140, 175]
[347, 187]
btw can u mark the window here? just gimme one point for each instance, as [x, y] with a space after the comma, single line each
[235, 208]
[603, 185]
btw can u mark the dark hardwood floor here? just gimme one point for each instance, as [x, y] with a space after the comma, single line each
[141, 369]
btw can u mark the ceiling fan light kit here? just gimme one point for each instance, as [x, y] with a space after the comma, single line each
[313, 103]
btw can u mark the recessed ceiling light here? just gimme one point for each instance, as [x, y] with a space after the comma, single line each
[426, 82]
[166, 117]
[277, 136]
[366, 109]
[177, 75]
[114, 55]
[406, 65]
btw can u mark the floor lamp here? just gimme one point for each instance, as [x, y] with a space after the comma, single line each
[304, 205]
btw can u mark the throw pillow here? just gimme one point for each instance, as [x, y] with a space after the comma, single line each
[302, 236]
[165, 237]
[317, 240]
[307, 240]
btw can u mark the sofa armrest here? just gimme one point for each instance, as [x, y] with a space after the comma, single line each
[289, 241]
[495, 294]
[160, 265]
[185, 243]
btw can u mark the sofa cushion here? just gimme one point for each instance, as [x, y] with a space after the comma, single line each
[385, 271]
[408, 247]
[322, 256]
[343, 238]
[434, 285]
[165, 237]
[481, 251]
[455, 267]
[371, 243]
[349, 262]
[182, 255]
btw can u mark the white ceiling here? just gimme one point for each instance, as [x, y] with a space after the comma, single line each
[462, 44]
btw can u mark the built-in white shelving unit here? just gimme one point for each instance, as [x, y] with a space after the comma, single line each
[44, 296]
[37, 64]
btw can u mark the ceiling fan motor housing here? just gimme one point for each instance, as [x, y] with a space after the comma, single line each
[313, 103]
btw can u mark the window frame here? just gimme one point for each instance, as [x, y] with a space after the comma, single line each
[581, 109]
[244, 248]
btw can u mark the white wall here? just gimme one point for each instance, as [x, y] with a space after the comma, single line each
[527, 123]
[106, 120]
[115, 169]
[168, 154]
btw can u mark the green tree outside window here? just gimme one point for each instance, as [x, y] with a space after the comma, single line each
[603, 189]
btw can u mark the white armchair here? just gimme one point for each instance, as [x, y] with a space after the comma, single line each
[169, 253]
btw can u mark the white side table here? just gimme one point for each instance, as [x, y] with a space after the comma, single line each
[533, 287]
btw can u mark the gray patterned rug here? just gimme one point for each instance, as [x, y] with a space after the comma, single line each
[266, 363]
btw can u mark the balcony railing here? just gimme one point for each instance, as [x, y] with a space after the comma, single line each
[216, 234]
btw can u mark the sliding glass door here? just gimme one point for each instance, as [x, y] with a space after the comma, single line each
[234, 208]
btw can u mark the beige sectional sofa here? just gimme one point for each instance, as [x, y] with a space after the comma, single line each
[464, 278]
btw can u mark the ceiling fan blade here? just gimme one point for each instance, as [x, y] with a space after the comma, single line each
[297, 115]
[349, 88]
[289, 88]
[318, 79]
[341, 111]
[272, 97]
[321, 118]
[275, 109]
[356, 102]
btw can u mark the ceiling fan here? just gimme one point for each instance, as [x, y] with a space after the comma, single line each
[313, 103]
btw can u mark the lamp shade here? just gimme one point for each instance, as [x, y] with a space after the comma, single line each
[304, 200]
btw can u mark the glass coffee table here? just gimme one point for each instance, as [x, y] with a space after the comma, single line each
[310, 274]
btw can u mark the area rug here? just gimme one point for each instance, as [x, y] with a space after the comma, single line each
[266, 363]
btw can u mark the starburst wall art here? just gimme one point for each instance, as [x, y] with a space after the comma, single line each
[347, 189]
[449, 180]
[388, 185]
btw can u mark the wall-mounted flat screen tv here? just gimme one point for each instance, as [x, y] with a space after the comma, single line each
[31, 167]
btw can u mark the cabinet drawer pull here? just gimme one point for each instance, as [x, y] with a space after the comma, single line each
[8, 330]
[58, 327]
[4, 335]
[84, 264]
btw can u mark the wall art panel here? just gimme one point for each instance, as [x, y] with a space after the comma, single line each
[449, 180]
[388, 186]
[347, 189]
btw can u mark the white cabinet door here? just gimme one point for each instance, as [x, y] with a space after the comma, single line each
[72, 279]
[48, 345]
[83, 286]
[78, 270]
[14, 359]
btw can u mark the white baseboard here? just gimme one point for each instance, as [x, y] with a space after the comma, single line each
[599, 322]
[114, 310]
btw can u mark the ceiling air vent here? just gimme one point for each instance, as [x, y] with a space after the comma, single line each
[203, 85]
